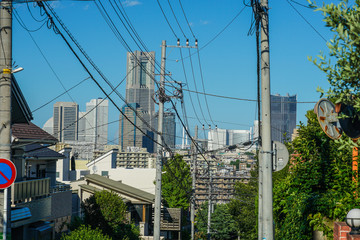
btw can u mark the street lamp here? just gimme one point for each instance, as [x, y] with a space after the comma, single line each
[353, 221]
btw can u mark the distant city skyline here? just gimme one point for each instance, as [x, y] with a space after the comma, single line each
[69, 125]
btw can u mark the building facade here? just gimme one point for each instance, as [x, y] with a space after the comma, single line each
[283, 117]
[220, 138]
[140, 80]
[96, 127]
[66, 116]
[140, 106]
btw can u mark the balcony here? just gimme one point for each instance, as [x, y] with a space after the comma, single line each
[33, 195]
[26, 191]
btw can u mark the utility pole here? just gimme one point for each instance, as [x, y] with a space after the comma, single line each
[5, 98]
[192, 210]
[159, 158]
[209, 206]
[266, 152]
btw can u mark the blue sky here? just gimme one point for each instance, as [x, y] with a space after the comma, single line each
[228, 63]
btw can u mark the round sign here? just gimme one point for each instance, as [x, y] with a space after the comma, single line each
[7, 173]
[328, 118]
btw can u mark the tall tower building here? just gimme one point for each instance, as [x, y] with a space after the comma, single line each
[96, 128]
[140, 90]
[283, 117]
[66, 116]
[140, 80]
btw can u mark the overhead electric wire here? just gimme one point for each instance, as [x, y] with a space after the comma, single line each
[21, 22]
[98, 70]
[132, 28]
[86, 69]
[61, 94]
[222, 30]
[195, 85]
[306, 21]
[117, 33]
[186, 19]
[177, 21]
[76, 121]
[187, 83]
[167, 19]
[188, 133]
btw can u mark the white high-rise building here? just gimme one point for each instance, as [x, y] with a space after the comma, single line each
[220, 138]
[238, 136]
[217, 138]
[96, 127]
[65, 122]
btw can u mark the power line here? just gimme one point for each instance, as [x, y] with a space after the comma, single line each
[172, 10]
[167, 19]
[306, 21]
[186, 19]
[91, 62]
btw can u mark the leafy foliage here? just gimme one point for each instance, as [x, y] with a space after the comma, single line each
[176, 183]
[243, 208]
[106, 210]
[344, 50]
[317, 187]
[85, 233]
[222, 226]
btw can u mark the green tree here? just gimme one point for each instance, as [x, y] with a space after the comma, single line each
[85, 233]
[107, 211]
[176, 183]
[223, 225]
[243, 209]
[342, 66]
[317, 188]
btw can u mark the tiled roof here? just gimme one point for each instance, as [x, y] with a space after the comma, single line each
[31, 132]
[121, 188]
[41, 152]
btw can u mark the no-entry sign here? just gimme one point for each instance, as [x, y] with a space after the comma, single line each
[7, 173]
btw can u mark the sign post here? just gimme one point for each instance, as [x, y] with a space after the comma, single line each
[7, 178]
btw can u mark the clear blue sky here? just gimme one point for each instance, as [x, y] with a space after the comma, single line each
[228, 63]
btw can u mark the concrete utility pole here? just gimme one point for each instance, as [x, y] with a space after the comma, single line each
[209, 207]
[192, 210]
[266, 152]
[5, 98]
[159, 158]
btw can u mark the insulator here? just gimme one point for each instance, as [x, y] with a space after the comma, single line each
[178, 41]
[196, 42]
[187, 42]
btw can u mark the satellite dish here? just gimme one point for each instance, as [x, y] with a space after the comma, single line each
[328, 118]
[280, 156]
[351, 123]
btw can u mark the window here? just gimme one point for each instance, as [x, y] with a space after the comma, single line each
[105, 173]
[57, 174]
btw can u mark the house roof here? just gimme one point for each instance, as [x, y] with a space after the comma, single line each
[123, 189]
[20, 111]
[41, 152]
[23, 132]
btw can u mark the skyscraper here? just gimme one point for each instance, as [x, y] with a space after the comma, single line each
[140, 91]
[283, 117]
[66, 121]
[140, 80]
[96, 128]
[130, 136]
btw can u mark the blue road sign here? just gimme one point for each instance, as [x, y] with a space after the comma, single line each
[7, 173]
